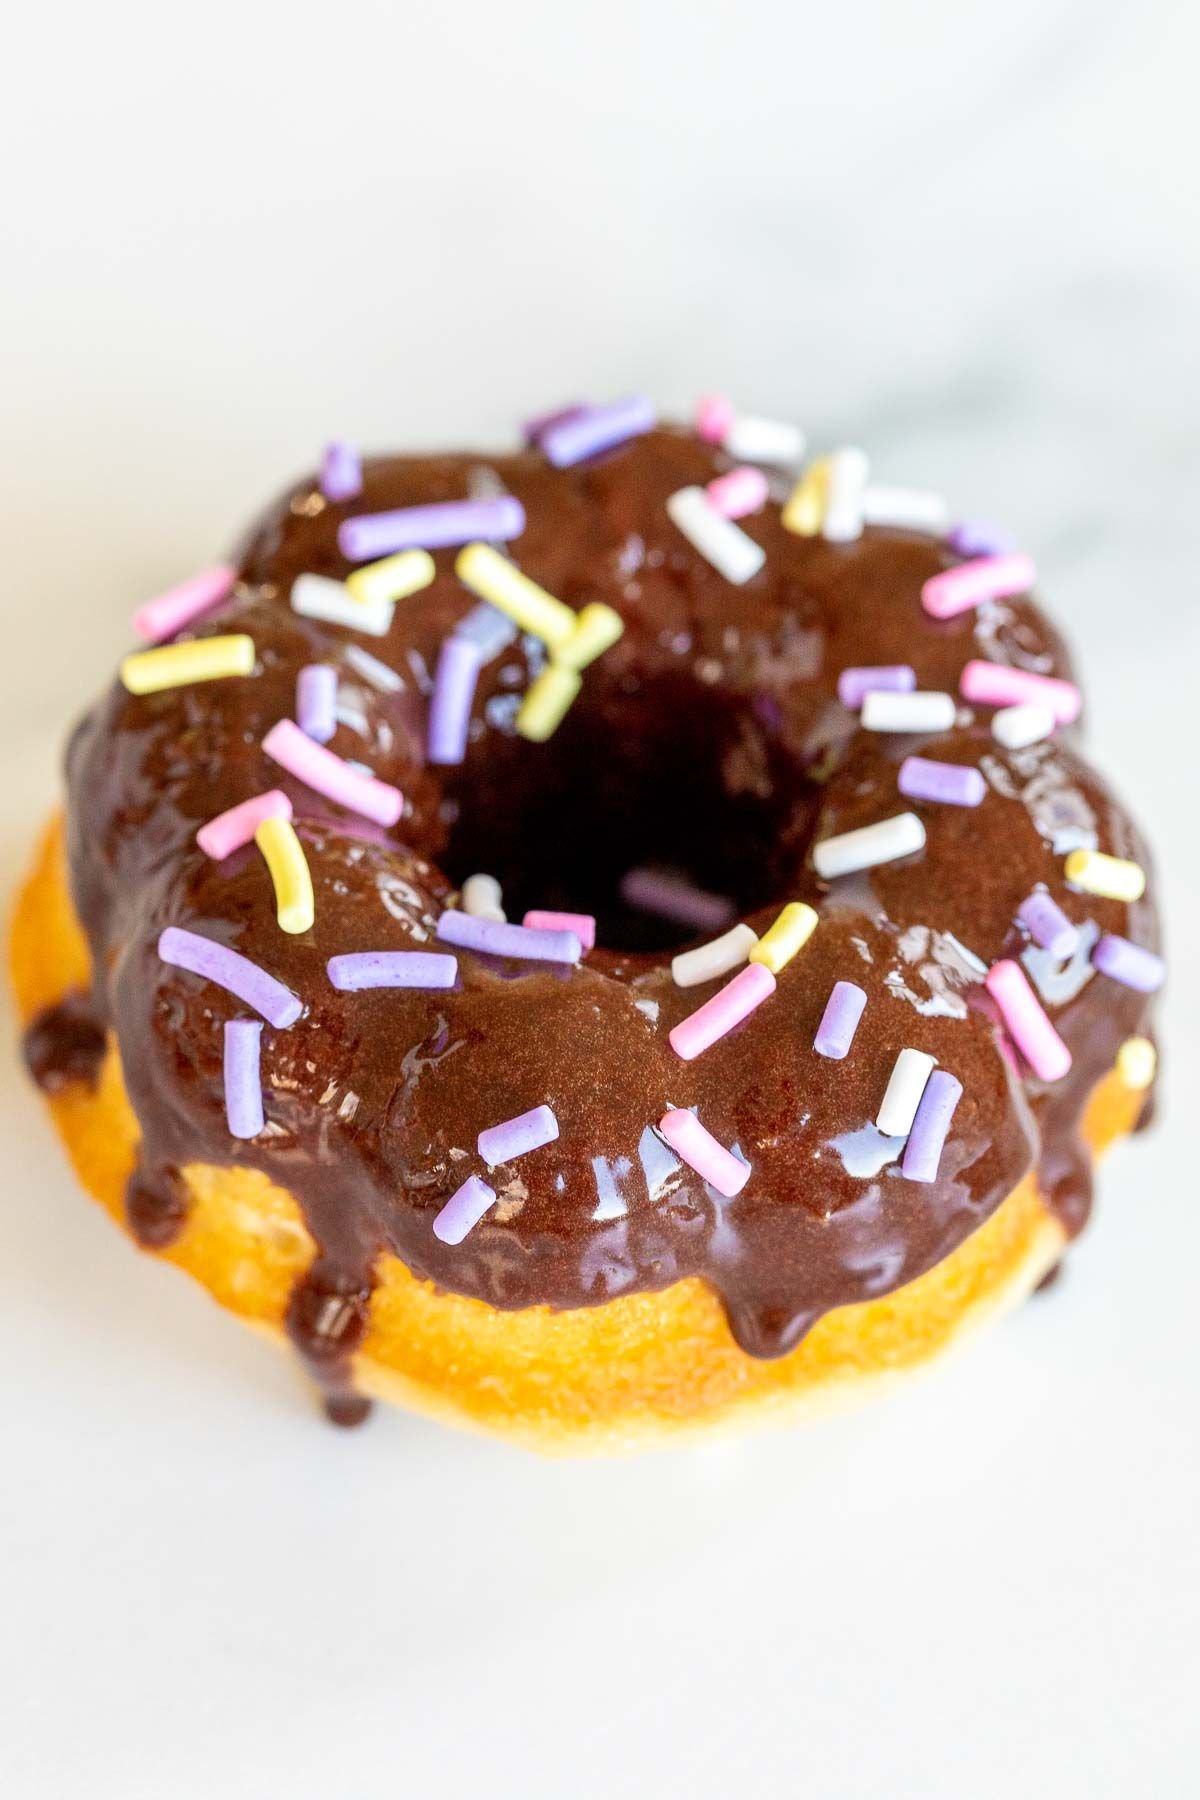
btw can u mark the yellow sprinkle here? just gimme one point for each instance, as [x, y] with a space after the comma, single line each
[179, 665]
[503, 586]
[804, 512]
[547, 703]
[1109, 876]
[1137, 1063]
[290, 875]
[394, 578]
[790, 932]
[596, 630]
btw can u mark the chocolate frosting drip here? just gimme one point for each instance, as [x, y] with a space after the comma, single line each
[709, 738]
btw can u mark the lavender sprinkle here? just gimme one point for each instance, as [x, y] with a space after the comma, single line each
[434, 527]
[517, 1137]
[243, 1077]
[236, 974]
[930, 1128]
[358, 970]
[1130, 964]
[491, 938]
[463, 1210]
[1048, 925]
[839, 1022]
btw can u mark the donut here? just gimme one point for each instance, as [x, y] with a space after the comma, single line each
[599, 942]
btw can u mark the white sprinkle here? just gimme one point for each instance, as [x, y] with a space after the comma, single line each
[481, 897]
[772, 441]
[911, 509]
[846, 485]
[317, 597]
[871, 845]
[1016, 727]
[909, 1076]
[725, 545]
[707, 961]
[922, 711]
[376, 673]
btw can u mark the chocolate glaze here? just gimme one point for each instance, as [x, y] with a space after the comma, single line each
[65, 1044]
[709, 738]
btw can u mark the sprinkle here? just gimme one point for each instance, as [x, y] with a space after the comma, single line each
[968, 585]
[463, 1210]
[358, 970]
[1027, 1022]
[503, 586]
[595, 428]
[1112, 877]
[290, 874]
[977, 537]
[316, 701]
[790, 932]
[182, 605]
[950, 784]
[1016, 727]
[931, 1127]
[517, 1137]
[700, 1151]
[375, 673]
[753, 440]
[805, 508]
[722, 543]
[892, 678]
[450, 704]
[547, 702]
[229, 831]
[332, 603]
[846, 485]
[714, 417]
[1048, 925]
[597, 629]
[839, 1021]
[727, 1008]
[724, 954]
[392, 578]
[481, 897]
[910, 1073]
[533, 429]
[243, 1077]
[180, 665]
[435, 527]
[582, 924]
[488, 630]
[673, 897]
[869, 846]
[330, 775]
[906, 509]
[1130, 964]
[739, 493]
[995, 684]
[236, 974]
[924, 711]
[1137, 1063]
[341, 472]
[491, 938]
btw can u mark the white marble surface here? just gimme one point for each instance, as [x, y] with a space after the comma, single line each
[963, 234]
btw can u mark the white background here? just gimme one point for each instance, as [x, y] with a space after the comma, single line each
[966, 236]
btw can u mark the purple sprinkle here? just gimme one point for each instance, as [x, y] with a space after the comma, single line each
[243, 1077]
[488, 629]
[950, 783]
[673, 897]
[978, 537]
[839, 1022]
[341, 472]
[316, 701]
[1130, 964]
[236, 974]
[463, 1210]
[495, 939]
[454, 682]
[1048, 925]
[595, 428]
[923, 1152]
[533, 429]
[361, 969]
[517, 1137]
[433, 527]
[892, 678]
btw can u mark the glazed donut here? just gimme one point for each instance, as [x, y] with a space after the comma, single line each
[599, 941]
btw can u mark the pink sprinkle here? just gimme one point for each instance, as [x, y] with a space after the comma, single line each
[179, 606]
[727, 1008]
[1031, 1030]
[714, 416]
[995, 684]
[229, 831]
[742, 492]
[330, 775]
[582, 924]
[700, 1150]
[957, 590]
